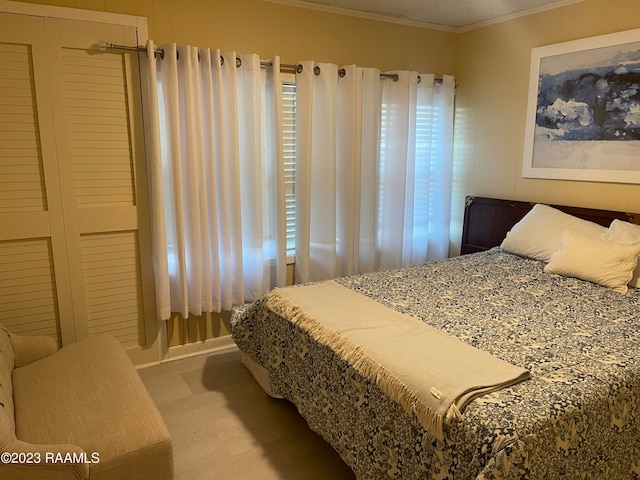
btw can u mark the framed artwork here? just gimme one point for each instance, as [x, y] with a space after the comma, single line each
[583, 114]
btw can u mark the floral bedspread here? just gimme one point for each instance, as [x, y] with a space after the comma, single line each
[578, 417]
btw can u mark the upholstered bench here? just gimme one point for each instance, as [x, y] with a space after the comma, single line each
[80, 412]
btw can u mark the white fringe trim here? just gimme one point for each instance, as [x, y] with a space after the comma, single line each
[363, 363]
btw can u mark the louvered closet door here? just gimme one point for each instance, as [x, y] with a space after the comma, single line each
[102, 172]
[35, 295]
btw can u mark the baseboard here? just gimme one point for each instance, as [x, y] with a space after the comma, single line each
[196, 348]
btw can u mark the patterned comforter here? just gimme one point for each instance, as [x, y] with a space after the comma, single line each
[578, 417]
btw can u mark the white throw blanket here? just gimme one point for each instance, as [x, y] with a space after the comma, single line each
[429, 373]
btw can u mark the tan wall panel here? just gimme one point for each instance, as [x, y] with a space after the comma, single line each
[28, 302]
[113, 289]
[95, 94]
[22, 187]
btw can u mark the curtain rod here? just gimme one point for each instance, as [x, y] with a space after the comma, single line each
[283, 66]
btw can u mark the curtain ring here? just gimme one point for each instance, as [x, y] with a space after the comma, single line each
[419, 79]
[238, 62]
[395, 77]
[299, 68]
[342, 73]
[221, 60]
[316, 70]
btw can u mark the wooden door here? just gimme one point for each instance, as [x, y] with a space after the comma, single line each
[35, 289]
[92, 181]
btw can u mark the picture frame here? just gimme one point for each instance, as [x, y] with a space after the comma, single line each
[583, 111]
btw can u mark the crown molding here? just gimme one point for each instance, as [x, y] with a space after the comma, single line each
[417, 23]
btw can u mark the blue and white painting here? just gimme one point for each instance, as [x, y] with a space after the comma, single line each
[588, 109]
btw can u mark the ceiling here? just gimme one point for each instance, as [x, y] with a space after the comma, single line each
[445, 14]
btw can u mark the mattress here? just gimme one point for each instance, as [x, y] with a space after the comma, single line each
[576, 417]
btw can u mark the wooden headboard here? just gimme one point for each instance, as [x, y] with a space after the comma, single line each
[487, 220]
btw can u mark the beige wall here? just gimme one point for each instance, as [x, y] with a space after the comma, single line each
[493, 71]
[256, 26]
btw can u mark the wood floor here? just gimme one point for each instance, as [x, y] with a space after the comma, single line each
[223, 426]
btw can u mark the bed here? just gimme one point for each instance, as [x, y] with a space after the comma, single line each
[574, 414]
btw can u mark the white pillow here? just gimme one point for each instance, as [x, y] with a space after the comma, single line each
[594, 260]
[624, 233]
[538, 234]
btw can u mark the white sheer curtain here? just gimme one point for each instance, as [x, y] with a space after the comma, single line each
[316, 106]
[337, 136]
[214, 155]
[359, 94]
[373, 172]
[416, 159]
[436, 107]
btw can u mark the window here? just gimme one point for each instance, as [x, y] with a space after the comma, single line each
[424, 133]
[289, 156]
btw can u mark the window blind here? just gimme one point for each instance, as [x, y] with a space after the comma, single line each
[289, 156]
